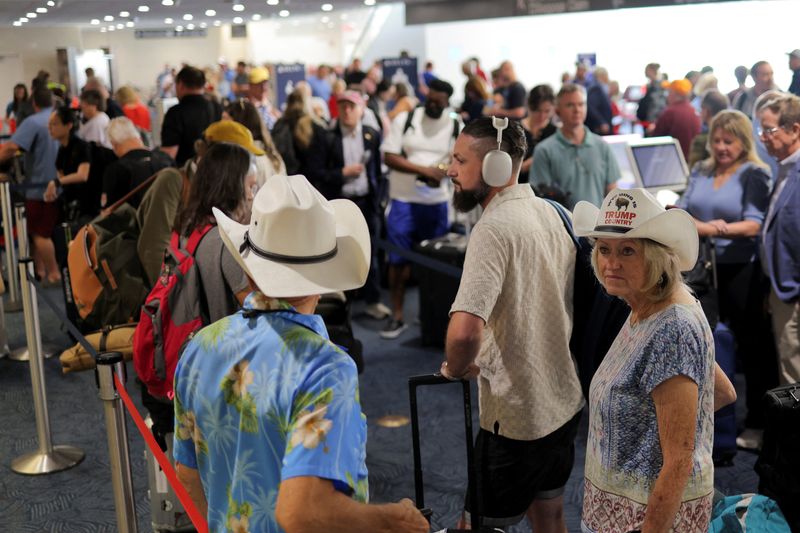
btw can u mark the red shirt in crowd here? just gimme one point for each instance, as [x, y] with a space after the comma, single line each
[680, 121]
[139, 115]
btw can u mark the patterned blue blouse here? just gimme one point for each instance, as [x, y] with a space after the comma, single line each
[623, 454]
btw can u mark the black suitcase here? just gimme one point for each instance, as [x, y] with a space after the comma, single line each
[335, 311]
[778, 465]
[438, 290]
[438, 379]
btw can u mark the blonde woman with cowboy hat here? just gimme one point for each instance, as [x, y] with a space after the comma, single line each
[269, 431]
[652, 400]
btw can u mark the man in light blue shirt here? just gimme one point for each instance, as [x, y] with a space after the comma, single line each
[269, 434]
[574, 161]
[321, 84]
[33, 137]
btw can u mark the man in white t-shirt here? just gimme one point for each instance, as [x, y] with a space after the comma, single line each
[417, 151]
[510, 325]
[93, 107]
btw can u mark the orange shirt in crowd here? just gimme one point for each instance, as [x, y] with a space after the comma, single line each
[139, 115]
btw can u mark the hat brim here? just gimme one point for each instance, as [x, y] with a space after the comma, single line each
[348, 99]
[674, 228]
[346, 270]
[255, 150]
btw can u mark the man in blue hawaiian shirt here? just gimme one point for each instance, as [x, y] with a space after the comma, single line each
[269, 434]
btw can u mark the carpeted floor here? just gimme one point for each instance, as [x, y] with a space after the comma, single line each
[80, 499]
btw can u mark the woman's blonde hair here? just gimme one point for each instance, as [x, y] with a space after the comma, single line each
[298, 117]
[737, 124]
[127, 96]
[662, 270]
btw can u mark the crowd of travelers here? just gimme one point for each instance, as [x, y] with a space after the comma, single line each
[298, 196]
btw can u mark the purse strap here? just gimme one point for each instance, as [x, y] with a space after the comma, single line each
[110, 209]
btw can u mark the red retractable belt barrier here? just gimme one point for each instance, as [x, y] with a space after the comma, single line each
[197, 519]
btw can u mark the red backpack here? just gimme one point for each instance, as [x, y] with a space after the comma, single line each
[172, 312]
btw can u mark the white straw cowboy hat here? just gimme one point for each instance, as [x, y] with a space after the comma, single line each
[298, 243]
[636, 214]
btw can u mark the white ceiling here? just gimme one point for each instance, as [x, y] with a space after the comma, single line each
[81, 12]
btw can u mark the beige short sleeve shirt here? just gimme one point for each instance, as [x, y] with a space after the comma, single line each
[518, 277]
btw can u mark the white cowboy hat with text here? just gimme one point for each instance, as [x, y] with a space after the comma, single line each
[298, 243]
[636, 214]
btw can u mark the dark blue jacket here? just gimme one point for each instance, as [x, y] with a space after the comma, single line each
[372, 144]
[598, 108]
[782, 240]
[794, 88]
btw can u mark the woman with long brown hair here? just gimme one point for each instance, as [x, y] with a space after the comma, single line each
[245, 113]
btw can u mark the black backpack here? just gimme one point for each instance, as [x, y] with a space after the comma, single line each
[778, 465]
[597, 317]
[283, 138]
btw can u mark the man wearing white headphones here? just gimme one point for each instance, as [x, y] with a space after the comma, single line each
[510, 326]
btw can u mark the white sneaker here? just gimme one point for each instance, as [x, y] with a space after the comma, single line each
[378, 311]
[393, 329]
[750, 439]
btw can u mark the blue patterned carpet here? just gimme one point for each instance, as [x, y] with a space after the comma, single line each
[80, 500]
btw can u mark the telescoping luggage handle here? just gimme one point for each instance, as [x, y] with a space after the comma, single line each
[438, 379]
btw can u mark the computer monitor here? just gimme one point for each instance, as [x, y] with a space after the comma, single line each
[627, 166]
[660, 164]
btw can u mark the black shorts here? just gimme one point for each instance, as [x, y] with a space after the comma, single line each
[513, 473]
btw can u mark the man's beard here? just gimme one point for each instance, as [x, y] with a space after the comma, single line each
[465, 201]
[433, 110]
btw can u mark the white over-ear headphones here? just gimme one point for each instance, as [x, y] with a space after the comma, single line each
[497, 163]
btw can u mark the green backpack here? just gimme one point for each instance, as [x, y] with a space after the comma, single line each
[106, 277]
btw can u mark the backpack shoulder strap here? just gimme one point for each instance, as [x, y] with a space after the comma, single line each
[456, 128]
[409, 120]
[565, 219]
[195, 238]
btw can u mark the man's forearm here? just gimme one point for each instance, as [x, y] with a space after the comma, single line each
[461, 353]
[347, 515]
[334, 512]
[8, 150]
[400, 163]
[190, 479]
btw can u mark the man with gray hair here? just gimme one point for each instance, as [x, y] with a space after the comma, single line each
[135, 164]
[762, 75]
[574, 164]
[779, 121]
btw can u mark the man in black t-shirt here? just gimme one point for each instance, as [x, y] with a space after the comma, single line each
[135, 164]
[186, 121]
[512, 93]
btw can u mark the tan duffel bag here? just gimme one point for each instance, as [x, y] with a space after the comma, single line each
[109, 339]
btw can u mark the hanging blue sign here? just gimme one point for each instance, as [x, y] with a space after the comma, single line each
[401, 70]
[589, 60]
[286, 78]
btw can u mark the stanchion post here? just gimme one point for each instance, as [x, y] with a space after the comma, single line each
[14, 303]
[48, 458]
[23, 245]
[109, 364]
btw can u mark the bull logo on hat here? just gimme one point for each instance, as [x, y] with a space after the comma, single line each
[621, 202]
